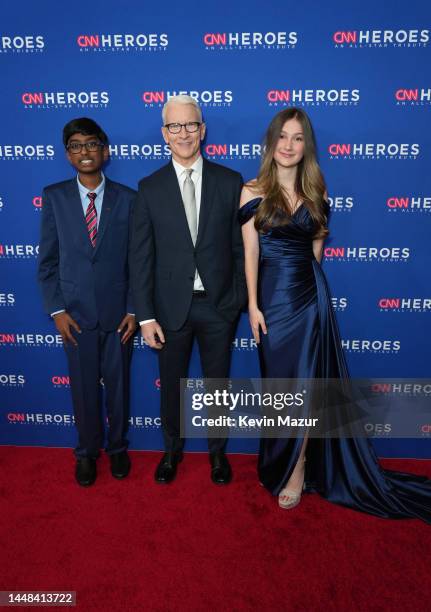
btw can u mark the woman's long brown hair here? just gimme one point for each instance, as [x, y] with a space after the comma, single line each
[310, 184]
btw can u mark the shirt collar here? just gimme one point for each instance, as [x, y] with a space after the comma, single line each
[197, 167]
[84, 190]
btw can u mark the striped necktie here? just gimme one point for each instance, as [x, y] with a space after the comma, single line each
[91, 218]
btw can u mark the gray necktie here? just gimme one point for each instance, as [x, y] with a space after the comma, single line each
[190, 205]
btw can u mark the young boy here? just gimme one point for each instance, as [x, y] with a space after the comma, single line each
[84, 277]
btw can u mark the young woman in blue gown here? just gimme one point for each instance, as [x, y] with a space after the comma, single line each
[284, 217]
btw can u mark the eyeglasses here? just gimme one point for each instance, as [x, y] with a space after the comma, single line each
[76, 147]
[175, 128]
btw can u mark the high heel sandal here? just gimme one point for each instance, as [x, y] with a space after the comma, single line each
[287, 498]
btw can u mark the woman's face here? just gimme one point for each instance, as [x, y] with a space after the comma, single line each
[289, 149]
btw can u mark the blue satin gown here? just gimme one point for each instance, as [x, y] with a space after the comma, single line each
[303, 342]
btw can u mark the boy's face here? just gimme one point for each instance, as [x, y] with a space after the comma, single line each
[86, 161]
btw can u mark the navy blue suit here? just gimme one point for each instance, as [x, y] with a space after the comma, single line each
[92, 285]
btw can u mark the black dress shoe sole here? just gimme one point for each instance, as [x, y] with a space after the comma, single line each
[166, 481]
[85, 483]
[225, 481]
[121, 476]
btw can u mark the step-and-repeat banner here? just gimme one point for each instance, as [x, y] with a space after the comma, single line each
[361, 72]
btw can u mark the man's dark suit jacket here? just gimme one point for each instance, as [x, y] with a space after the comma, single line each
[162, 256]
[90, 283]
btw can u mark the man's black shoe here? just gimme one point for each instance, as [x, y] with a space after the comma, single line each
[120, 464]
[167, 468]
[221, 472]
[85, 472]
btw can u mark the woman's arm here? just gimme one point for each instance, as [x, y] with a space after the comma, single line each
[251, 254]
[318, 243]
[318, 248]
[251, 251]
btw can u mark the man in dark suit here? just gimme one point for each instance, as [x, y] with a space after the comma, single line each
[187, 271]
[83, 274]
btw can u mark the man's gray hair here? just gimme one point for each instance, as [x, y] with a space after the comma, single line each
[181, 99]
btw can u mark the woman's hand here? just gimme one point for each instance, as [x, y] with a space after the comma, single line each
[257, 320]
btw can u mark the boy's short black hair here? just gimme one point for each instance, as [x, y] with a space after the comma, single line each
[84, 126]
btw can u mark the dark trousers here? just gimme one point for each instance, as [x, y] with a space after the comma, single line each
[99, 354]
[214, 336]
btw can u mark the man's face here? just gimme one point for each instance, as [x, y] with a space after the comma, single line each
[85, 161]
[185, 146]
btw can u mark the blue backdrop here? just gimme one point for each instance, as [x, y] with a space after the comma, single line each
[361, 71]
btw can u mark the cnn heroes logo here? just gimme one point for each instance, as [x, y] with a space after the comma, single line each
[367, 254]
[357, 39]
[60, 382]
[22, 44]
[409, 204]
[372, 150]
[159, 151]
[402, 388]
[205, 98]
[244, 344]
[63, 382]
[339, 304]
[18, 251]
[40, 418]
[131, 152]
[238, 344]
[27, 152]
[245, 41]
[313, 97]
[123, 43]
[413, 97]
[378, 429]
[65, 99]
[67, 420]
[404, 304]
[30, 340]
[145, 422]
[240, 151]
[377, 345]
[341, 203]
[12, 380]
[37, 203]
[7, 299]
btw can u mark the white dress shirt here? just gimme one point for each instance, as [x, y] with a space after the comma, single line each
[85, 200]
[196, 177]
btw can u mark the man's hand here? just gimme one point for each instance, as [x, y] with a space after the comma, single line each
[128, 323]
[152, 333]
[63, 323]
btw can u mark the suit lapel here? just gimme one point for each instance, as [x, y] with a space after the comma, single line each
[207, 197]
[78, 218]
[108, 204]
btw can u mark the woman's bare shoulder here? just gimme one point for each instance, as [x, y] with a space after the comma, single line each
[250, 192]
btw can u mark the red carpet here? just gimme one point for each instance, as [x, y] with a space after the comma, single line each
[135, 545]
